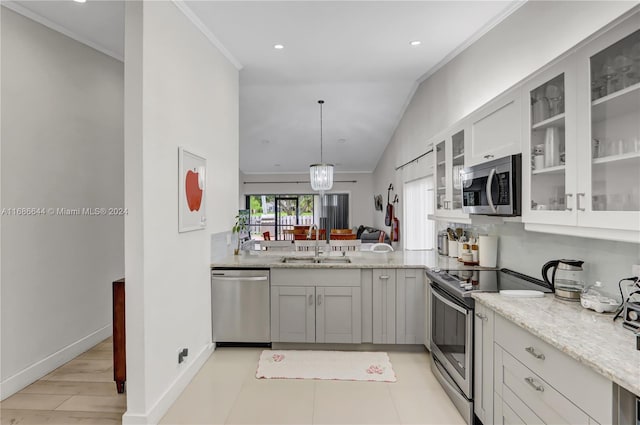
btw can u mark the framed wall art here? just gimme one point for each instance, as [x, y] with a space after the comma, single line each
[192, 171]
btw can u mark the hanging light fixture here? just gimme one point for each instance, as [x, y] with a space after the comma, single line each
[321, 174]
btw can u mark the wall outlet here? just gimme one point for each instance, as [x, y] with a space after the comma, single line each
[228, 239]
[182, 354]
[635, 270]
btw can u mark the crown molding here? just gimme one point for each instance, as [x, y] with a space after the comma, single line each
[186, 10]
[21, 10]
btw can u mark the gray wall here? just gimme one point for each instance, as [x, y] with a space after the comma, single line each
[62, 146]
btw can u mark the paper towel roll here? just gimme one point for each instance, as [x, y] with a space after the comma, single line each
[488, 251]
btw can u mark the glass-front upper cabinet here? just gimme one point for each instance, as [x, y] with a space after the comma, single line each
[549, 165]
[441, 175]
[449, 162]
[457, 164]
[610, 88]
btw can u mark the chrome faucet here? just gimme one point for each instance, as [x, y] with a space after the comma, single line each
[317, 247]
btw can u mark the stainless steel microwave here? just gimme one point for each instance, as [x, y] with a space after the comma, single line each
[493, 188]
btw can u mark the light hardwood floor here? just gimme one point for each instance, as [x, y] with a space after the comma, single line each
[79, 392]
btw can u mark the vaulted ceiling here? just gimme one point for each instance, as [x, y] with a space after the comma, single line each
[355, 55]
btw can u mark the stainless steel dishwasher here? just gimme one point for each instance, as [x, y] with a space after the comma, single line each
[240, 306]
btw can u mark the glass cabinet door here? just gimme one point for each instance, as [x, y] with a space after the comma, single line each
[615, 126]
[457, 164]
[441, 176]
[548, 145]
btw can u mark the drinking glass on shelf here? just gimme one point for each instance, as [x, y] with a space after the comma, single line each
[622, 65]
[609, 76]
[554, 94]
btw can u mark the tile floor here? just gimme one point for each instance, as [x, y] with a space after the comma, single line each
[225, 391]
[79, 392]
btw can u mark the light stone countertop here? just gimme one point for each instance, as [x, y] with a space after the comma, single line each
[589, 337]
[359, 259]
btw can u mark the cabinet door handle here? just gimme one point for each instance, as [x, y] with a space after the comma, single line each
[481, 316]
[535, 386]
[532, 351]
[566, 201]
[384, 276]
[578, 195]
[310, 299]
[488, 156]
[319, 299]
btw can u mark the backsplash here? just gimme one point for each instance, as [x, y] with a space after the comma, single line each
[526, 252]
[219, 247]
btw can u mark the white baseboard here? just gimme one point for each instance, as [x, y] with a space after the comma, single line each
[158, 410]
[32, 373]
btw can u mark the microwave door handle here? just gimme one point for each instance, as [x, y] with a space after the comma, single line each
[488, 190]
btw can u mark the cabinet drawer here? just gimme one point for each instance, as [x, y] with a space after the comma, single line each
[519, 382]
[315, 277]
[583, 386]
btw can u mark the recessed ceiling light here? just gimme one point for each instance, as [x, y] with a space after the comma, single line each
[80, 1]
[276, 165]
[416, 43]
[342, 140]
[278, 46]
[265, 141]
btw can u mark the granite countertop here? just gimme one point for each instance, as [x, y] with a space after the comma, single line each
[589, 337]
[359, 259]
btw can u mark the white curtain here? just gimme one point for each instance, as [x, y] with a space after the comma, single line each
[419, 203]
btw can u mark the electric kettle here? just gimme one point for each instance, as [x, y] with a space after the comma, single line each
[567, 279]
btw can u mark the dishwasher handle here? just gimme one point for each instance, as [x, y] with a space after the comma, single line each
[237, 278]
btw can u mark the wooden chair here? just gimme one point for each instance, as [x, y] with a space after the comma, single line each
[310, 245]
[288, 234]
[342, 231]
[343, 236]
[266, 236]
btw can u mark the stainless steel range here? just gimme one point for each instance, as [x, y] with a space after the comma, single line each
[452, 325]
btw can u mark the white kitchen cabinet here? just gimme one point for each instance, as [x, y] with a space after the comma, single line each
[293, 314]
[409, 306]
[449, 157]
[543, 385]
[338, 314]
[495, 129]
[319, 305]
[591, 188]
[483, 363]
[384, 306]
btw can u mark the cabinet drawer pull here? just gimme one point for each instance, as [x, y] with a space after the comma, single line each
[319, 299]
[578, 195]
[310, 299]
[532, 351]
[566, 201]
[384, 276]
[488, 156]
[535, 386]
[482, 316]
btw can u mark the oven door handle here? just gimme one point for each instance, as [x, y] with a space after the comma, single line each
[488, 190]
[449, 303]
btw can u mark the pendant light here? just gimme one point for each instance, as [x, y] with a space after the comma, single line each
[321, 174]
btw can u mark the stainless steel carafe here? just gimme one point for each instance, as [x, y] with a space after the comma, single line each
[443, 243]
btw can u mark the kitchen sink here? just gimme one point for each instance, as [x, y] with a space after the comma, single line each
[312, 260]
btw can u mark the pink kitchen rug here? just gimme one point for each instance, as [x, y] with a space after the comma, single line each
[336, 365]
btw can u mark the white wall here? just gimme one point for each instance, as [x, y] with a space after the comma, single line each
[62, 146]
[181, 91]
[525, 41]
[361, 209]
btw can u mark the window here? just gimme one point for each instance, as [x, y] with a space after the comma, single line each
[419, 230]
[278, 214]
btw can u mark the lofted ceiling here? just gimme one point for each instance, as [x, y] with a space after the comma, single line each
[355, 55]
